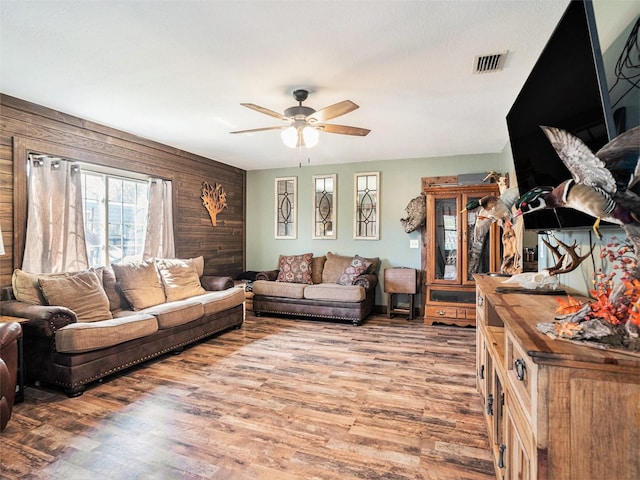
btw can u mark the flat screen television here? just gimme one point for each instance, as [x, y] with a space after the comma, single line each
[566, 89]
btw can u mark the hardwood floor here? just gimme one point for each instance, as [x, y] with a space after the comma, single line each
[278, 399]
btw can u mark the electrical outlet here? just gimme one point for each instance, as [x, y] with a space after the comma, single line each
[413, 243]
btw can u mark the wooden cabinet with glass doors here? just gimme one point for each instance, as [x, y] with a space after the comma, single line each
[447, 256]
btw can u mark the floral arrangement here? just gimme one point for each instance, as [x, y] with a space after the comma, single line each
[612, 318]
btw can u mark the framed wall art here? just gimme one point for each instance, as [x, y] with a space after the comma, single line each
[366, 225]
[325, 195]
[286, 207]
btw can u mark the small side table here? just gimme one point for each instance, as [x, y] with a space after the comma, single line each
[400, 280]
[20, 386]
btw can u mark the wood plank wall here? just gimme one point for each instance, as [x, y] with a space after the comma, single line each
[26, 127]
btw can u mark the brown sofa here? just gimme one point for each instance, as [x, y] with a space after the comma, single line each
[84, 326]
[331, 286]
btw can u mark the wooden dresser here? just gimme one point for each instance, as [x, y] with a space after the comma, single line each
[555, 409]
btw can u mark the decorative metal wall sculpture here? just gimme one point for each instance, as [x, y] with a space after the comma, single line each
[214, 199]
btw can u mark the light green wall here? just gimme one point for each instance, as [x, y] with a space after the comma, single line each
[400, 182]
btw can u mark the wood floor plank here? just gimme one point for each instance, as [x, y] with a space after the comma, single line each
[277, 399]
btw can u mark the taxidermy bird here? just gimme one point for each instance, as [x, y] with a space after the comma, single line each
[603, 184]
[493, 208]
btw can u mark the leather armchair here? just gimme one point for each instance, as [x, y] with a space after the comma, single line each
[9, 334]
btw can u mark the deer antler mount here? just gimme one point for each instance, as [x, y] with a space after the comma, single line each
[564, 264]
[214, 199]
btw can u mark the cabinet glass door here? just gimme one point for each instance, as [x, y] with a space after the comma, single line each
[447, 241]
[478, 255]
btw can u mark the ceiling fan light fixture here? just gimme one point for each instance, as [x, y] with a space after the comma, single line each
[290, 137]
[310, 136]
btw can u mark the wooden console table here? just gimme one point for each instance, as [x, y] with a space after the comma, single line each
[554, 409]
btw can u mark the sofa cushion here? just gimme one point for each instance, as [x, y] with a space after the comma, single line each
[175, 313]
[214, 302]
[140, 283]
[357, 267]
[335, 292]
[279, 289]
[295, 268]
[336, 264]
[85, 337]
[180, 279]
[81, 292]
[317, 265]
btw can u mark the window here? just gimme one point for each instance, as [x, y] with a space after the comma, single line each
[115, 217]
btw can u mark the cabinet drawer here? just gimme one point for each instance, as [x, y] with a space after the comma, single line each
[451, 312]
[521, 374]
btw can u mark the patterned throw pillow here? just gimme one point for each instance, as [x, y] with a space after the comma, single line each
[295, 268]
[357, 267]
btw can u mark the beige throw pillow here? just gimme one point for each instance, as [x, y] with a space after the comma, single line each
[140, 283]
[179, 278]
[26, 288]
[81, 292]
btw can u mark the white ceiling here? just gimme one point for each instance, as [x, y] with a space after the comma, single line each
[177, 71]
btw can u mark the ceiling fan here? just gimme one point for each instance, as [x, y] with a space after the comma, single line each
[303, 123]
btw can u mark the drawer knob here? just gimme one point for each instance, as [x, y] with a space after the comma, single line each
[501, 449]
[480, 301]
[441, 312]
[519, 367]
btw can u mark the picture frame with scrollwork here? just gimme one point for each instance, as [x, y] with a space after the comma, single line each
[366, 220]
[286, 208]
[325, 198]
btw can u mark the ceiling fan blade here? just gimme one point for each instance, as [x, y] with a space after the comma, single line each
[266, 111]
[342, 129]
[259, 129]
[333, 111]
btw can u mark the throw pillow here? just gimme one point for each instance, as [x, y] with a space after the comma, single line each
[317, 266]
[357, 267]
[26, 288]
[179, 278]
[81, 292]
[117, 301]
[295, 268]
[140, 283]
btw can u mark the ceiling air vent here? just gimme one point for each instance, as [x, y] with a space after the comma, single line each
[489, 63]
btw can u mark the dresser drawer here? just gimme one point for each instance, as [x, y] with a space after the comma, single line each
[521, 374]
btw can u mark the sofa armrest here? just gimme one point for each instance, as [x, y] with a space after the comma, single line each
[9, 332]
[366, 280]
[213, 283]
[269, 275]
[44, 320]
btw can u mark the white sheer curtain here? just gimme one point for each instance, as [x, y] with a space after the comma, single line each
[159, 240]
[55, 240]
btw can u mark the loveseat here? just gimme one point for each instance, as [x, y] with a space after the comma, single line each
[86, 325]
[334, 287]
